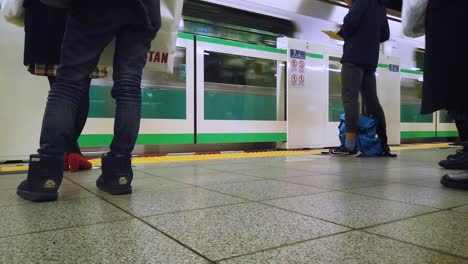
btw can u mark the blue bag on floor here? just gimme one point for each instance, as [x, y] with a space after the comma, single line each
[367, 141]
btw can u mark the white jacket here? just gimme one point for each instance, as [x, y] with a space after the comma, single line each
[413, 15]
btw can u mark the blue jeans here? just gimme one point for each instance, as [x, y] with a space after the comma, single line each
[88, 32]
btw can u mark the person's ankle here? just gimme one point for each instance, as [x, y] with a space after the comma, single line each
[350, 142]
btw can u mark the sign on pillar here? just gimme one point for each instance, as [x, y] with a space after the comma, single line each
[297, 62]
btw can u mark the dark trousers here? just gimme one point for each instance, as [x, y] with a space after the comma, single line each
[80, 122]
[88, 32]
[461, 121]
[357, 79]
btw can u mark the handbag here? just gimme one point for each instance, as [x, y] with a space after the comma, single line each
[414, 17]
[163, 48]
[13, 11]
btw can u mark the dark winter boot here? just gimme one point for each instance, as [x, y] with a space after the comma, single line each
[117, 174]
[44, 178]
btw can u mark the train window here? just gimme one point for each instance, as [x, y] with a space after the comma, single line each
[335, 105]
[220, 21]
[163, 94]
[411, 97]
[243, 88]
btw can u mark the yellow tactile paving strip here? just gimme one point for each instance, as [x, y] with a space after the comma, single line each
[267, 154]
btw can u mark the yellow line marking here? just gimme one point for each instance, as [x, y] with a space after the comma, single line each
[267, 154]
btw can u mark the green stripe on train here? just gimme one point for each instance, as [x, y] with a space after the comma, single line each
[241, 138]
[427, 134]
[94, 140]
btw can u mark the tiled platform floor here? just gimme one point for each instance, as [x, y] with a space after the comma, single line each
[301, 209]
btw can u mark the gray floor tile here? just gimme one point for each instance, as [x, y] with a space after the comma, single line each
[438, 198]
[445, 231]
[348, 248]
[66, 192]
[431, 182]
[212, 178]
[163, 165]
[91, 176]
[272, 173]
[334, 182]
[462, 209]
[435, 171]
[264, 190]
[119, 242]
[143, 185]
[240, 229]
[169, 201]
[425, 155]
[349, 209]
[7, 183]
[27, 218]
[12, 181]
[180, 171]
[235, 167]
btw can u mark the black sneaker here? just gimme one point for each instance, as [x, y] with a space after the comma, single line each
[455, 181]
[45, 175]
[460, 163]
[457, 155]
[386, 151]
[343, 151]
[117, 174]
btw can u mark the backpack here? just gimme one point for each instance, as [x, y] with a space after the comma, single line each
[367, 141]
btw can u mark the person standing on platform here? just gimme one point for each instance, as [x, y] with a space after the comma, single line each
[91, 26]
[444, 82]
[44, 27]
[365, 27]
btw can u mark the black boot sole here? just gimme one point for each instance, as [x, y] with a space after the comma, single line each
[37, 197]
[454, 166]
[114, 191]
[452, 185]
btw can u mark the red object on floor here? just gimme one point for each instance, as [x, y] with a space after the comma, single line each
[78, 162]
[66, 166]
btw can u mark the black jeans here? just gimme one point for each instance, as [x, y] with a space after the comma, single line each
[357, 79]
[88, 32]
[80, 122]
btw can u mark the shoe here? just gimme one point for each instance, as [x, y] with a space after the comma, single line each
[457, 155]
[45, 175]
[117, 174]
[456, 180]
[343, 151]
[460, 163]
[386, 151]
[78, 162]
[66, 166]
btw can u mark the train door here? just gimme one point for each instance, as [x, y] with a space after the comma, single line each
[413, 124]
[240, 92]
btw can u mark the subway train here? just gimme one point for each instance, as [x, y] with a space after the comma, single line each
[233, 85]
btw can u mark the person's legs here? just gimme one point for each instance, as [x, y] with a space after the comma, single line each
[352, 76]
[132, 45]
[80, 121]
[459, 160]
[457, 180]
[76, 160]
[373, 107]
[86, 36]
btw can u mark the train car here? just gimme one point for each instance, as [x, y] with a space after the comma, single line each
[232, 84]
